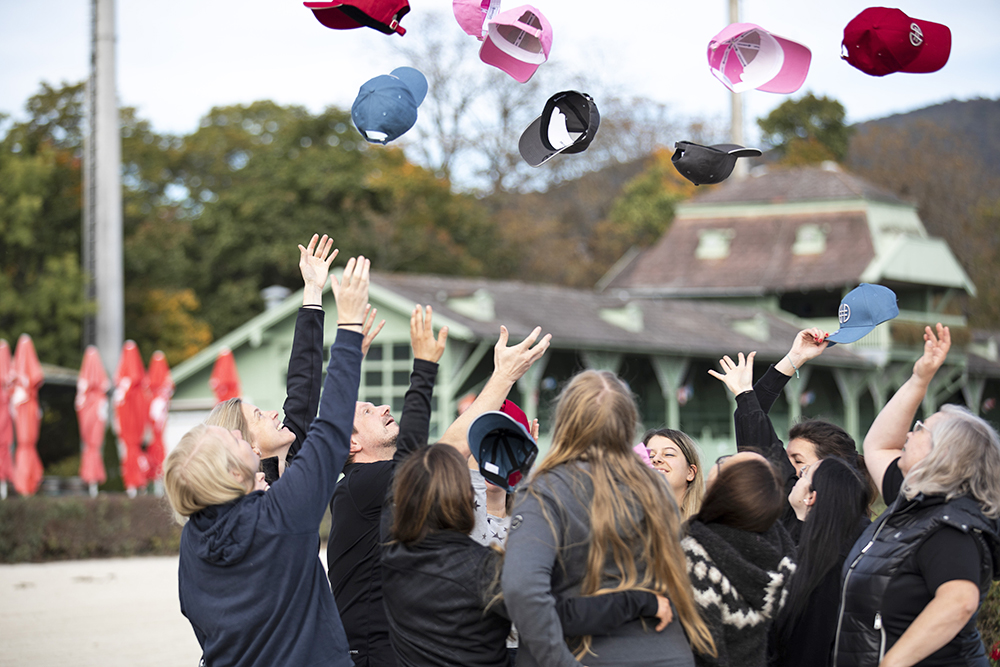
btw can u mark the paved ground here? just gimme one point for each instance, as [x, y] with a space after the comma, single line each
[94, 613]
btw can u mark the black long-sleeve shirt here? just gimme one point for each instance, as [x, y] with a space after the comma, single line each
[754, 432]
[354, 549]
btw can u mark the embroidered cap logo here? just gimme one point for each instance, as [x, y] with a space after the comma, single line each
[844, 314]
[916, 35]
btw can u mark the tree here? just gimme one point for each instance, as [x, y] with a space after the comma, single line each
[955, 194]
[807, 130]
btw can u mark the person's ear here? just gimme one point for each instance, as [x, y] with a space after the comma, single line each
[355, 445]
[810, 499]
[692, 472]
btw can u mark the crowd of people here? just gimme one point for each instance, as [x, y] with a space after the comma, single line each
[598, 556]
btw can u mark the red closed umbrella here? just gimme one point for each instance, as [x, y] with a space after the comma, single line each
[131, 414]
[27, 416]
[92, 413]
[160, 387]
[225, 380]
[6, 423]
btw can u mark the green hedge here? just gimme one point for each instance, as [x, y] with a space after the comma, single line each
[64, 528]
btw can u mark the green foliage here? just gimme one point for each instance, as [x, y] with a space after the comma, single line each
[807, 130]
[110, 526]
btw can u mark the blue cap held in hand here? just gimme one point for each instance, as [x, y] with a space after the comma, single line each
[864, 308]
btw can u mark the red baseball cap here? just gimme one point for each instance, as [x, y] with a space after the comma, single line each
[882, 40]
[381, 15]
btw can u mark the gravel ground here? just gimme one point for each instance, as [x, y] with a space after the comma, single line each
[107, 613]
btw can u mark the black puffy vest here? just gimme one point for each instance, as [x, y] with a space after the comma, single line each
[879, 553]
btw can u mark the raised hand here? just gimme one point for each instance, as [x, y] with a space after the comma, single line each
[936, 346]
[352, 293]
[425, 345]
[514, 361]
[738, 377]
[367, 330]
[314, 264]
[808, 344]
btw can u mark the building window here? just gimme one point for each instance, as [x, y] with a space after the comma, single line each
[714, 243]
[810, 240]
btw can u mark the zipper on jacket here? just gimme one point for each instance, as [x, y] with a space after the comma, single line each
[843, 592]
[881, 629]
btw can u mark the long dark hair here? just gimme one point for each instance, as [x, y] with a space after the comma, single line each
[834, 523]
[432, 493]
[830, 440]
[746, 495]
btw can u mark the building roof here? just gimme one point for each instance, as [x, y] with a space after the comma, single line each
[581, 319]
[770, 185]
[761, 257]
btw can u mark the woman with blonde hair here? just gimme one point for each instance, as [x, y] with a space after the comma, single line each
[593, 519]
[675, 454]
[916, 578]
[242, 611]
[275, 440]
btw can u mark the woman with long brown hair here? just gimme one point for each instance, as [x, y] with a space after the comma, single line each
[593, 519]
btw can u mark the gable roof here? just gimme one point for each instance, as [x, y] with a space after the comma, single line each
[820, 183]
[760, 259]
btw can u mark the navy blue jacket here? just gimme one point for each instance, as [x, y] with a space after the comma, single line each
[251, 581]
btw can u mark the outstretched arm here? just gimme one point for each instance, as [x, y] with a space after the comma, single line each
[509, 365]
[305, 363]
[414, 423]
[887, 435]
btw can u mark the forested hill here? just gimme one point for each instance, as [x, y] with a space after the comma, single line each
[978, 120]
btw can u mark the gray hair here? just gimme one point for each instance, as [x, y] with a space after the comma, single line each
[964, 461]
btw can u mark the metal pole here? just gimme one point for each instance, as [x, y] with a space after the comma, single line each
[736, 104]
[89, 200]
[105, 135]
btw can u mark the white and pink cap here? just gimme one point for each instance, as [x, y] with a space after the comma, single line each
[744, 56]
[518, 41]
[474, 15]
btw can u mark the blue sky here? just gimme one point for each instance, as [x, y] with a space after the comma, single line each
[176, 60]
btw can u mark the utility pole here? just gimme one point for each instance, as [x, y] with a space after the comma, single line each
[736, 101]
[102, 194]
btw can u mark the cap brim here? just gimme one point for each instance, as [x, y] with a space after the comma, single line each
[519, 70]
[794, 68]
[329, 15]
[850, 334]
[530, 145]
[937, 47]
[414, 80]
[737, 150]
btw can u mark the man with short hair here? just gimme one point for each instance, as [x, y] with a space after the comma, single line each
[378, 443]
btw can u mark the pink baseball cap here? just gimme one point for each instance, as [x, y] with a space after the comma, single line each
[473, 15]
[881, 40]
[518, 41]
[744, 56]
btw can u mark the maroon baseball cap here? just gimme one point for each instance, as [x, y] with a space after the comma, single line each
[882, 40]
[511, 409]
[381, 15]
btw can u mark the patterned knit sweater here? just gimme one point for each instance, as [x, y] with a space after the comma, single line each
[740, 582]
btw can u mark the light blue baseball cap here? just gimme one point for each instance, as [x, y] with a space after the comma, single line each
[386, 106]
[864, 308]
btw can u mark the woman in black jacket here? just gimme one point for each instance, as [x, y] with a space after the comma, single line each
[442, 588]
[915, 579]
[831, 500]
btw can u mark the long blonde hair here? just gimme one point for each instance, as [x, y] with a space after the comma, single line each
[964, 460]
[633, 514]
[198, 473]
[229, 415]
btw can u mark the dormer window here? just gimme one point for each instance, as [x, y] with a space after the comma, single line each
[810, 240]
[714, 243]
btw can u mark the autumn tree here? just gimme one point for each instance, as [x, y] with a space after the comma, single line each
[807, 130]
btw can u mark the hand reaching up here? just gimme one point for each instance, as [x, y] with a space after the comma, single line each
[514, 361]
[425, 345]
[351, 293]
[808, 344]
[738, 377]
[936, 346]
[314, 264]
[367, 330]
